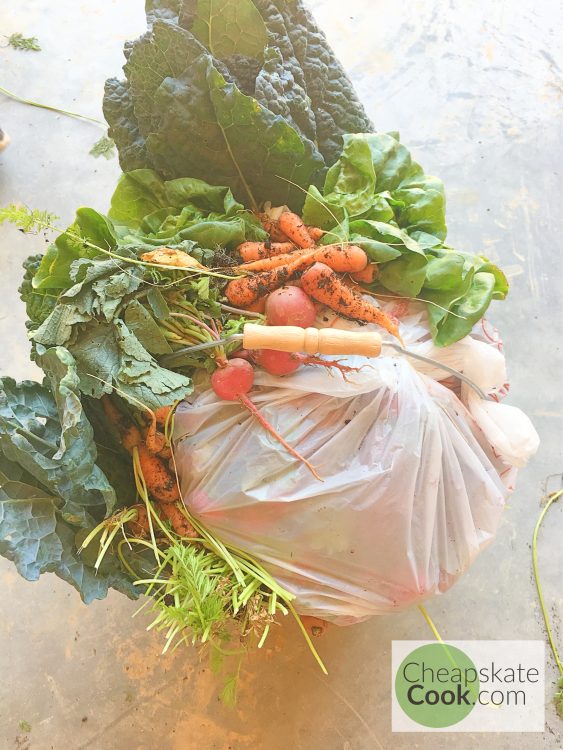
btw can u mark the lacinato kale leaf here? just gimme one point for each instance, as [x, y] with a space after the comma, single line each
[247, 94]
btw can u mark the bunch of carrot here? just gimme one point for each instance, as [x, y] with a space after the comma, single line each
[148, 443]
[293, 256]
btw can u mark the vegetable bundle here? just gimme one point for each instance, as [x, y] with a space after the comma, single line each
[227, 109]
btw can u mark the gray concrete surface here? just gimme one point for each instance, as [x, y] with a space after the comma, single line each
[475, 88]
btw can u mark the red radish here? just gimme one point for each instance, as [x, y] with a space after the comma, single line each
[276, 363]
[232, 382]
[290, 306]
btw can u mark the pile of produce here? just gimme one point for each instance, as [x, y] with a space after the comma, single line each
[254, 190]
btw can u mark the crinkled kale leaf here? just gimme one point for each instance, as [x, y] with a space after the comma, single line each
[51, 487]
[245, 94]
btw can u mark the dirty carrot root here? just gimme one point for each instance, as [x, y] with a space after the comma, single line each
[271, 226]
[160, 481]
[161, 414]
[250, 251]
[341, 258]
[259, 306]
[322, 284]
[292, 225]
[129, 432]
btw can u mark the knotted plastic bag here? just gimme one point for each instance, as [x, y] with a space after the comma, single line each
[413, 486]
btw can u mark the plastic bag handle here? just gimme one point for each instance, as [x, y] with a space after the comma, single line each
[311, 340]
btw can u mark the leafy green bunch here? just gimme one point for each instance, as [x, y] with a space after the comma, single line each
[244, 92]
[376, 196]
[100, 318]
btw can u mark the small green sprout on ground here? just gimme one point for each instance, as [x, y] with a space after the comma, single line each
[25, 726]
[104, 147]
[26, 43]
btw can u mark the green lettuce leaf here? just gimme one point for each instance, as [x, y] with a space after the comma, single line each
[460, 310]
[179, 212]
[376, 178]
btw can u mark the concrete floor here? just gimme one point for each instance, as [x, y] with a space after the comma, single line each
[476, 91]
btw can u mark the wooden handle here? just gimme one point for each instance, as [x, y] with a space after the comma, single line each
[311, 340]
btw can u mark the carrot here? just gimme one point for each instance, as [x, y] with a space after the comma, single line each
[161, 483]
[167, 256]
[368, 274]
[129, 433]
[342, 258]
[292, 225]
[315, 233]
[178, 520]
[321, 283]
[249, 251]
[271, 226]
[155, 439]
[139, 527]
[161, 414]
[244, 292]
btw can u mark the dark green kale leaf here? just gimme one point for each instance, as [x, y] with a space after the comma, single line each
[38, 303]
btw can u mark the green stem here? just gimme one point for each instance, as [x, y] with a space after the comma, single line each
[552, 498]
[31, 103]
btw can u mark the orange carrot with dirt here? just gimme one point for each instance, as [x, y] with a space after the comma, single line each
[250, 251]
[246, 291]
[271, 226]
[129, 433]
[322, 284]
[139, 526]
[160, 481]
[259, 306]
[341, 258]
[293, 226]
[178, 520]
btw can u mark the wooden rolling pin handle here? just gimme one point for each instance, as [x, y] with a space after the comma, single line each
[311, 340]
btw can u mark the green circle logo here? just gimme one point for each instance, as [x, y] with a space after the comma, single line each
[437, 685]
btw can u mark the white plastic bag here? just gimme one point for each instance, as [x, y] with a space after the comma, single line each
[414, 482]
